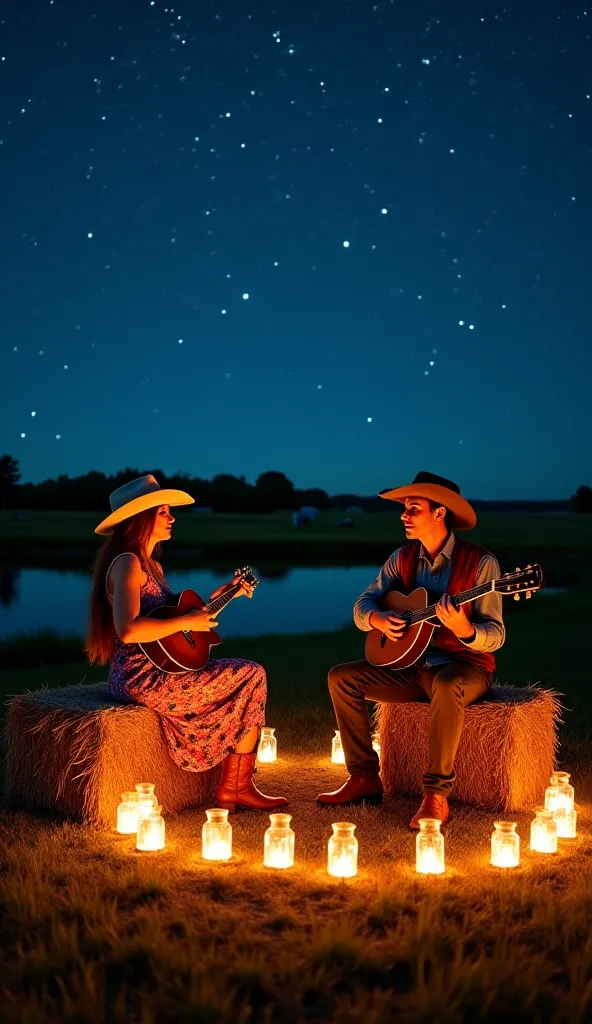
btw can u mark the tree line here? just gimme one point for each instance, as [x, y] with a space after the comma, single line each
[272, 491]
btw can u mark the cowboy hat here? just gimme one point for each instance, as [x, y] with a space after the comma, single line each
[436, 488]
[136, 496]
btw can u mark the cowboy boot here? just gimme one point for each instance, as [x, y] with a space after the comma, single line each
[357, 789]
[433, 805]
[237, 789]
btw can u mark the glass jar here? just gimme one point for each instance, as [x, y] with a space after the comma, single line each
[337, 753]
[543, 832]
[150, 835]
[278, 844]
[566, 821]
[429, 847]
[559, 793]
[267, 749]
[127, 813]
[216, 835]
[146, 796]
[505, 845]
[342, 858]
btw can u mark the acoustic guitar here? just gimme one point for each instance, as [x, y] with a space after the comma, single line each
[418, 613]
[189, 651]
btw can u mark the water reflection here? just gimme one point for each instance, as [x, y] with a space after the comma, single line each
[288, 599]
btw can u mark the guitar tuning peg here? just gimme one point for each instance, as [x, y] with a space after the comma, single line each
[516, 597]
[529, 566]
[528, 594]
[517, 568]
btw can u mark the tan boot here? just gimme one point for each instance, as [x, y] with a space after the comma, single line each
[357, 790]
[237, 789]
[433, 805]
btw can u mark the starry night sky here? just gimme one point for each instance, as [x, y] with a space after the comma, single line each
[342, 240]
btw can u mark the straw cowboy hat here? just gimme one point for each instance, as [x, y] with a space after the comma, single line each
[436, 488]
[136, 496]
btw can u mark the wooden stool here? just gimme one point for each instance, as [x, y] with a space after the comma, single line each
[75, 750]
[505, 756]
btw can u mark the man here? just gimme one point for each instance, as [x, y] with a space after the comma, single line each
[456, 668]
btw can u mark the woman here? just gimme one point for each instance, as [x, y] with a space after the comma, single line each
[208, 716]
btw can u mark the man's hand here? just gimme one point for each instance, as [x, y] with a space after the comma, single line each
[454, 618]
[393, 626]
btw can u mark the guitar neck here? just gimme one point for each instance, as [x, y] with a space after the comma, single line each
[458, 599]
[221, 602]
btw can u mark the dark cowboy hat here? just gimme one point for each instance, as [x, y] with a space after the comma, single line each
[436, 488]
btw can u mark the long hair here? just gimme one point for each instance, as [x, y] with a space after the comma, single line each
[132, 534]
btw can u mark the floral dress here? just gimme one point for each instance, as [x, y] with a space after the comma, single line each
[204, 714]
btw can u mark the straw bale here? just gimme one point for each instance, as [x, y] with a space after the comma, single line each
[74, 750]
[505, 756]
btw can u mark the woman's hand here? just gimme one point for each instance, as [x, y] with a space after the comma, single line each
[199, 620]
[245, 588]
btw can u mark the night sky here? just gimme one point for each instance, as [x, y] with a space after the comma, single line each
[342, 240]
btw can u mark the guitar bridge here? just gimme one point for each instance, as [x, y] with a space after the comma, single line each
[189, 637]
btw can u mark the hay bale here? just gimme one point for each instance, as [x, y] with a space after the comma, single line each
[505, 756]
[74, 750]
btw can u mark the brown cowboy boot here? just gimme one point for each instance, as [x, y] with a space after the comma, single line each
[433, 805]
[237, 789]
[356, 790]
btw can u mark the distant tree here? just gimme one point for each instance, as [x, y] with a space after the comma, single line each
[229, 493]
[9, 478]
[312, 496]
[581, 501]
[274, 491]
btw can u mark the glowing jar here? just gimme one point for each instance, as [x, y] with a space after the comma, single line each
[376, 743]
[146, 796]
[543, 832]
[267, 750]
[216, 835]
[278, 844]
[337, 754]
[429, 847]
[559, 793]
[150, 835]
[505, 845]
[566, 821]
[127, 813]
[342, 859]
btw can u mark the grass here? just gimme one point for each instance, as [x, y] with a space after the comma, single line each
[561, 542]
[93, 931]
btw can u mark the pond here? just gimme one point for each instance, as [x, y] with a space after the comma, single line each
[288, 599]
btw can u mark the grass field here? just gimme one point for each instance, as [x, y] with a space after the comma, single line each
[557, 540]
[92, 931]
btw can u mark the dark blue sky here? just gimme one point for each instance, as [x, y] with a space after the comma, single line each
[159, 163]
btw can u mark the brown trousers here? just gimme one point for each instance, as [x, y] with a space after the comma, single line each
[449, 688]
